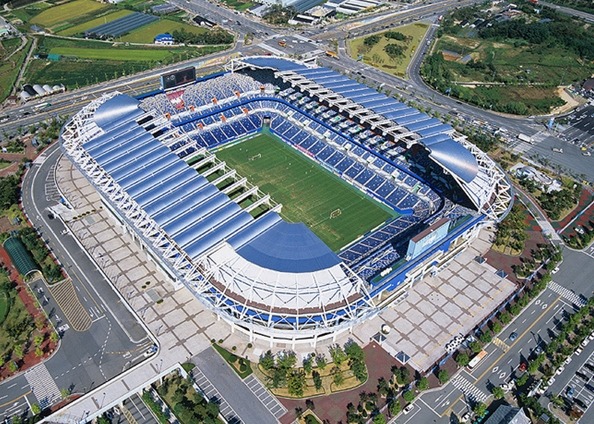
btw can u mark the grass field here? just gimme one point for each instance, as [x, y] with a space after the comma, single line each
[308, 192]
[146, 34]
[81, 28]
[115, 54]
[67, 12]
[376, 57]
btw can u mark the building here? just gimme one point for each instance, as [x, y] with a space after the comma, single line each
[506, 414]
[164, 39]
[153, 161]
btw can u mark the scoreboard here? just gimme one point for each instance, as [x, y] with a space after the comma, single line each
[177, 78]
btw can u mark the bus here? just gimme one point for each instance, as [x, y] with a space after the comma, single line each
[332, 54]
[41, 106]
[478, 358]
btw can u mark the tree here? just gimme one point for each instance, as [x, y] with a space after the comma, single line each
[337, 354]
[443, 376]
[462, 359]
[359, 370]
[35, 409]
[379, 419]
[309, 404]
[308, 364]
[408, 396]
[9, 191]
[38, 352]
[480, 409]
[38, 340]
[317, 379]
[12, 366]
[475, 346]
[337, 376]
[383, 387]
[296, 383]
[54, 337]
[321, 361]
[18, 352]
[267, 360]
[394, 407]
[287, 360]
[354, 351]
[423, 384]
[498, 392]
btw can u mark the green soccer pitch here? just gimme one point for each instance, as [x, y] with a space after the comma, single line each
[334, 210]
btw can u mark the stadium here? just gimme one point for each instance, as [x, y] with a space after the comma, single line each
[292, 201]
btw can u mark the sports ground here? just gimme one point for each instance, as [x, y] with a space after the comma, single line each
[334, 210]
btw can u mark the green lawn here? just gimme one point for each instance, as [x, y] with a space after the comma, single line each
[146, 34]
[233, 361]
[376, 57]
[308, 192]
[238, 4]
[66, 12]
[81, 28]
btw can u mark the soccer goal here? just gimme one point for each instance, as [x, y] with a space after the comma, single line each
[335, 213]
[258, 156]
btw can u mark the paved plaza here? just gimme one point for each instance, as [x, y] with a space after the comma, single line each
[438, 308]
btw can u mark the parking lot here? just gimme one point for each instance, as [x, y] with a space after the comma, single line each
[580, 388]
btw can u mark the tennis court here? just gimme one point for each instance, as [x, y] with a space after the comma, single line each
[334, 210]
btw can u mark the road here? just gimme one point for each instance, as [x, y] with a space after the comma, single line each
[114, 340]
[588, 17]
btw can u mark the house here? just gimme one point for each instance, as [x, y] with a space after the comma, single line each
[165, 39]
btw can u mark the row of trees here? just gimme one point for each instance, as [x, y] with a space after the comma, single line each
[41, 254]
[212, 36]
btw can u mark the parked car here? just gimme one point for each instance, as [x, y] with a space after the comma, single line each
[570, 392]
[408, 408]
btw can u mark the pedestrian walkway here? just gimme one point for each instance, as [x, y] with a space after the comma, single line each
[567, 294]
[65, 296]
[500, 344]
[269, 401]
[43, 386]
[472, 392]
[212, 393]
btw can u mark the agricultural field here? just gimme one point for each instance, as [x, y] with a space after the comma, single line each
[372, 49]
[146, 34]
[89, 62]
[81, 28]
[11, 62]
[308, 193]
[58, 17]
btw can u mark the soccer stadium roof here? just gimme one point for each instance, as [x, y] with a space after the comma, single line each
[483, 181]
[265, 275]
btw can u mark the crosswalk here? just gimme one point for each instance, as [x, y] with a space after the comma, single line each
[472, 392]
[43, 386]
[500, 344]
[567, 294]
[212, 393]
